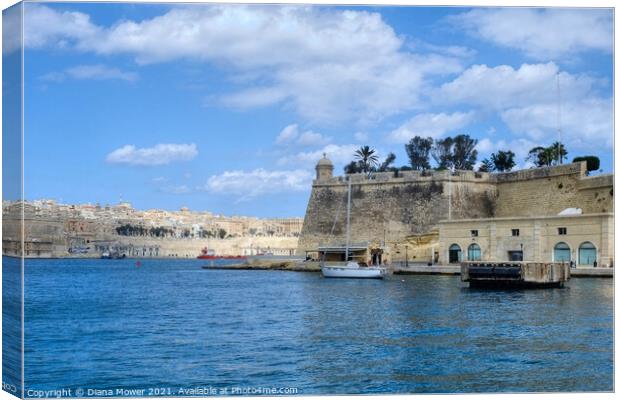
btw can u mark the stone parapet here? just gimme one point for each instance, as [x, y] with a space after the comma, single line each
[595, 182]
[578, 168]
[400, 177]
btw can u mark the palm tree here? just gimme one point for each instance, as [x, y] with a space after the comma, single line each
[367, 158]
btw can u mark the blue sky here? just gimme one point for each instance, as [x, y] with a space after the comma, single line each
[227, 108]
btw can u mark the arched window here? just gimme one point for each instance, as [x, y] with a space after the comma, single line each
[454, 254]
[473, 252]
[587, 254]
[561, 252]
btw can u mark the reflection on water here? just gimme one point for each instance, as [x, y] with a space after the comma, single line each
[109, 324]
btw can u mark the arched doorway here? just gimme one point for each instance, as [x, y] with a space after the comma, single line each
[454, 254]
[473, 252]
[561, 252]
[587, 254]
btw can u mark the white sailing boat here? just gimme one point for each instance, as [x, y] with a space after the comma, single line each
[351, 268]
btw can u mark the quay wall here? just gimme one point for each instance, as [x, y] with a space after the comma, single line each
[392, 207]
[190, 248]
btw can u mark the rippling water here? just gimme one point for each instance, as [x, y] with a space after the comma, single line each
[109, 324]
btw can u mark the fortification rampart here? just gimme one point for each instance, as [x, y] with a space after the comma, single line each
[388, 207]
[548, 191]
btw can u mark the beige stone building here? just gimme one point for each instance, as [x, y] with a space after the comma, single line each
[583, 239]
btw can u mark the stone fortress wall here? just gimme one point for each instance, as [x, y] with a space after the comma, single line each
[548, 191]
[391, 207]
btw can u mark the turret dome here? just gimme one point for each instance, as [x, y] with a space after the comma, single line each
[325, 161]
[324, 169]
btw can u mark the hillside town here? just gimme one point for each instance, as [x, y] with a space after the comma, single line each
[53, 229]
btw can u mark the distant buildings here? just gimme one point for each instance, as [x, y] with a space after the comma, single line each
[53, 229]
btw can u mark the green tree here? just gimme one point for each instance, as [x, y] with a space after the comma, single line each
[503, 160]
[547, 156]
[486, 166]
[389, 160]
[558, 152]
[464, 153]
[221, 233]
[442, 153]
[418, 150]
[593, 163]
[540, 156]
[367, 158]
[353, 167]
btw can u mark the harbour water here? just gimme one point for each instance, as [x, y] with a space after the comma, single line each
[168, 324]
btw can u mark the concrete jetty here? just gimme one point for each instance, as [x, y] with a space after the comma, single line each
[515, 274]
[281, 265]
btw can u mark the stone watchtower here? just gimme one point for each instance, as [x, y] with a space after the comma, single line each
[324, 169]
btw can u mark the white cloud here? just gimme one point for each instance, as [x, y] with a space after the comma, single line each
[520, 147]
[310, 138]
[291, 135]
[288, 134]
[100, 72]
[92, 72]
[255, 97]
[448, 50]
[584, 124]
[433, 125]
[159, 154]
[487, 146]
[527, 100]
[178, 189]
[53, 76]
[330, 65]
[543, 34]
[44, 26]
[361, 136]
[11, 29]
[250, 184]
[338, 154]
[503, 86]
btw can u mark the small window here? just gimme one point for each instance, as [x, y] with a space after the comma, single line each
[515, 232]
[515, 255]
[474, 232]
[561, 231]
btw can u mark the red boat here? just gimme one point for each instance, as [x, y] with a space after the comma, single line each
[206, 254]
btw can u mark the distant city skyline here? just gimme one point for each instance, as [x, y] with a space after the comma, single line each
[227, 108]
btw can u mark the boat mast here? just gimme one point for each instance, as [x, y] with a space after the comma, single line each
[346, 254]
[559, 128]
